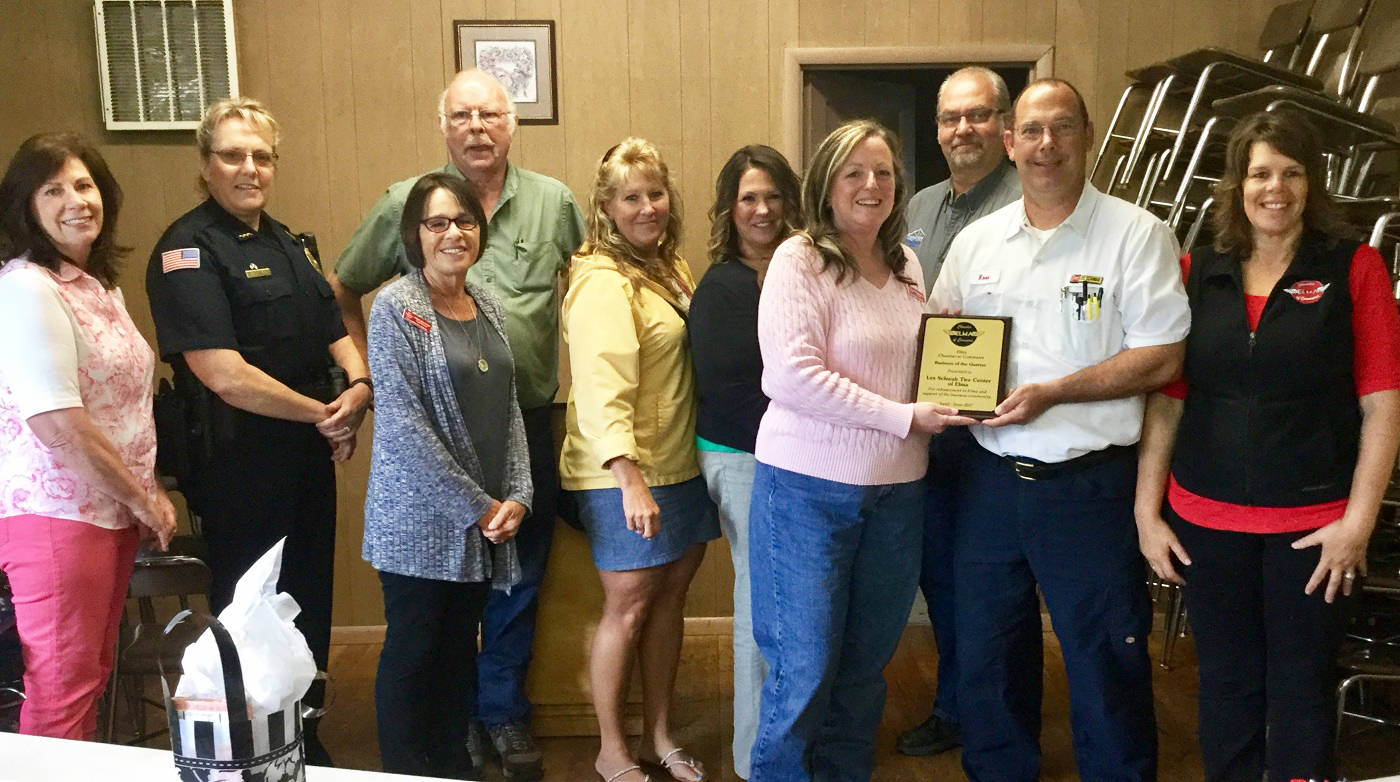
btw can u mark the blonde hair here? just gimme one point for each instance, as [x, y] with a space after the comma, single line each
[632, 156]
[250, 110]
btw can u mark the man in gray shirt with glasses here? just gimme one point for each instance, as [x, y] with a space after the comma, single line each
[973, 107]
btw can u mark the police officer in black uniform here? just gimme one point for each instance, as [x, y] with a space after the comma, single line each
[275, 389]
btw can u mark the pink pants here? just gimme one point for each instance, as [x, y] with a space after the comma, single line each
[69, 581]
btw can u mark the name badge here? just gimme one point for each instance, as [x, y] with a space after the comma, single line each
[417, 320]
[254, 270]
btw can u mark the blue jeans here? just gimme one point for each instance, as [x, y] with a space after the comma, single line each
[729, 477]
[833, 568]
[946, 452]
[1073, 535]
[508, 623]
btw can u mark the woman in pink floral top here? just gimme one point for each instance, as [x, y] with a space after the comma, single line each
[77, 443]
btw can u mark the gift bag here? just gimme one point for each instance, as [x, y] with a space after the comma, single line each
[221, 739]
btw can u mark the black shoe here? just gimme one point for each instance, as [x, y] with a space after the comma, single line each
[930, 737]
[521, 760]
[476, 744]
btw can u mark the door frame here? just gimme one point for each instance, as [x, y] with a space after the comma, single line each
[1041, 57]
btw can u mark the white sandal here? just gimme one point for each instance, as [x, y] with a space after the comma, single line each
[634, 767]
[689, 762]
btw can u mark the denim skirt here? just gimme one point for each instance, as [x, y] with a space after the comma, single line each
[687, 517]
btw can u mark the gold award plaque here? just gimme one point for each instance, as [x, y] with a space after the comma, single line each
[962, 362]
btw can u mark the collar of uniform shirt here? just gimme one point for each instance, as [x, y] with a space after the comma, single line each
[1078, 220]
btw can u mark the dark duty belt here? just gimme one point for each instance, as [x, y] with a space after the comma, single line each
[1028, 469]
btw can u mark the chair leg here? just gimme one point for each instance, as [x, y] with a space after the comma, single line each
[1342, 688]
[1174, 614]
[113, 682]
[1183, 190]
[1195, 230]
[135, 710]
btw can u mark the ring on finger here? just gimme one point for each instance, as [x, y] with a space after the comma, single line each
[1348, 576]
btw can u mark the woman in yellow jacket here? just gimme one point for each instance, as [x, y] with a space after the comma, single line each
[629, 449]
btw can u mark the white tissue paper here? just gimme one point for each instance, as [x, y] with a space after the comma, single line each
[277, 663]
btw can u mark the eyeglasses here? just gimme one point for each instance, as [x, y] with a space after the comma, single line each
[488, 117]
[439, 224]
[950, 119]
[235, 157]
[1034, 131]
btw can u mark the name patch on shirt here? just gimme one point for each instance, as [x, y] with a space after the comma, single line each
[1307, 291]
[985, 278]
[417, 320]
[184, 258]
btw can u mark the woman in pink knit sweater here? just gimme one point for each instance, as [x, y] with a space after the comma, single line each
[838, 496]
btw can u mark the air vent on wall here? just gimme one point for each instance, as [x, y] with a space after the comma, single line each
[164, 61]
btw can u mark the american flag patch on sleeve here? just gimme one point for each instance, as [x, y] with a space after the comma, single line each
[187, 258]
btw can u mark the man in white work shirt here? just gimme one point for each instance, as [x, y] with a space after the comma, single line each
[1098, 318]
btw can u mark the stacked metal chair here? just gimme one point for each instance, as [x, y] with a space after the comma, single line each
[1369, 691]
[156, 581]
[1357, 128]
[1330, 59]
[1157, 109]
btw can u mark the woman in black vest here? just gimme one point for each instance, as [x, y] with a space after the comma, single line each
[1272, 452]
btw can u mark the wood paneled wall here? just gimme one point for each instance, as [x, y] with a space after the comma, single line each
[354, 84]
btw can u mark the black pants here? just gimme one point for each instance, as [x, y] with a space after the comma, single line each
[275, 480]
[424, 690]
[1266, 651]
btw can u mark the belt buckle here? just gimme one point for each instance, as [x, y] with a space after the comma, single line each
[1025, 470]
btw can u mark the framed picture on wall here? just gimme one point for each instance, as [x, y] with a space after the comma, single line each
[520, 53]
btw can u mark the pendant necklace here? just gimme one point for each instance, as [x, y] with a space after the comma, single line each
[476, 341]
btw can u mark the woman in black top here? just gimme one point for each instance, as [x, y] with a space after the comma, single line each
[755, 209]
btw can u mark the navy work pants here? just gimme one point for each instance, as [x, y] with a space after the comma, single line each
[1072, 534]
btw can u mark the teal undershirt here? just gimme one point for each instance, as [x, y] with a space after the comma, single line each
[701, 444]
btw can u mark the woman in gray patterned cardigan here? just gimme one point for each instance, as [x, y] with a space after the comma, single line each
[449, 479]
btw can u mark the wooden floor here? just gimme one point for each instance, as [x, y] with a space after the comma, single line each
[702, 716]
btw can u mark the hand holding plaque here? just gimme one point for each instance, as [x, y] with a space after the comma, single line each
[962, 363]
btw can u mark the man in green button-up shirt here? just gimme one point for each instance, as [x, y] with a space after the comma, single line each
[534, 226]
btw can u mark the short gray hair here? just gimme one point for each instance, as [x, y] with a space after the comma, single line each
[1003, 95]
[442, 96]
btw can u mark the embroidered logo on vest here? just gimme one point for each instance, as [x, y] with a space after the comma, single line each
[1307, 291]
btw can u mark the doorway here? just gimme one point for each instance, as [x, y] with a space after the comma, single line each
[903, 98]
[896, 85]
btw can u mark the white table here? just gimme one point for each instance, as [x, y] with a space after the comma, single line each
[35, 759]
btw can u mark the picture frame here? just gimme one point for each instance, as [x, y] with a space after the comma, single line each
[521, 54]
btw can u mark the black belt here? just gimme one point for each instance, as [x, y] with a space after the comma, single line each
[1028, 469]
